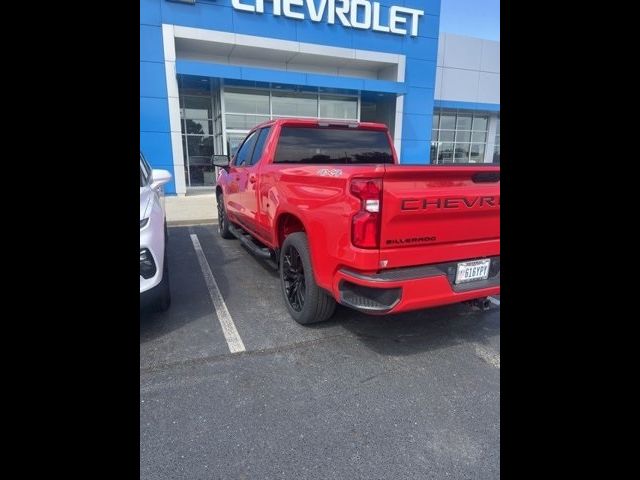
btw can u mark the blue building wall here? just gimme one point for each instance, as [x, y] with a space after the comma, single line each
[421, 55]
[155, 137]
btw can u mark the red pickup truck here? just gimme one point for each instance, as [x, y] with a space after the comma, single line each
[328, 205]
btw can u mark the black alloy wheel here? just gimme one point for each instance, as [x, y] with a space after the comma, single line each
[306, 302]
[293, 275]
[223, 221]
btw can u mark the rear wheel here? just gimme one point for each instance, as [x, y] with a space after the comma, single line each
[307, 303]
[223, 221]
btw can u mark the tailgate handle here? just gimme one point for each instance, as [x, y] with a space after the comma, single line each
[486, 177]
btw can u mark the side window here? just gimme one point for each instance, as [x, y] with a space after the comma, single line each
[260, 143]
[145, 165]
[144, 173]
[244, 154]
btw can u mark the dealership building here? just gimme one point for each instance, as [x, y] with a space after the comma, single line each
[212, 69]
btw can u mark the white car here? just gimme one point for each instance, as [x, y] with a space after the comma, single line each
[154, 275]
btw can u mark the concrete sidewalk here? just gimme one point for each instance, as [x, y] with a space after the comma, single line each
[195, 208]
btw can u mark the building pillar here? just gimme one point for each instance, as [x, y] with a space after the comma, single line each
[173, 103]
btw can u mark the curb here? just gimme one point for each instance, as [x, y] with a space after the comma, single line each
[194, 222]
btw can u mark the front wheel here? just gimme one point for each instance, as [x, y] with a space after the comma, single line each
[307, 303]
[223, 221]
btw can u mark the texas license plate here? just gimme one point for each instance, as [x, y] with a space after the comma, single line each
[475, 270]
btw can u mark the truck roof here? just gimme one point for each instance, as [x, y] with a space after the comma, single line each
[320, 122]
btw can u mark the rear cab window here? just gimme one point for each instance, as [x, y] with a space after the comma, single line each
[332, 146]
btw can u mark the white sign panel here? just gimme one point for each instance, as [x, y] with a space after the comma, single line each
[361, 14]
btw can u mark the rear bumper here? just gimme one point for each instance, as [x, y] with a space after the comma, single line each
[411, 288]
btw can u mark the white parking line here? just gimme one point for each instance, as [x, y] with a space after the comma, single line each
[226, 322]
[488, 355]
[495, 301]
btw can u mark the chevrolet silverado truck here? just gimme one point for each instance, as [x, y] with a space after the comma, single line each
[328, 205]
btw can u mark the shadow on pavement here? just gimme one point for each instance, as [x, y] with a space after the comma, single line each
[419, 331]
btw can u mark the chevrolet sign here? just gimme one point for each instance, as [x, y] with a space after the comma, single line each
[361, 14]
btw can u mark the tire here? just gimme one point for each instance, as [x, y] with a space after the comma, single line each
[223, 221]
[162, 302]
[307, 303]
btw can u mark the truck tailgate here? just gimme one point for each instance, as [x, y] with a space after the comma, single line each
[434, 214]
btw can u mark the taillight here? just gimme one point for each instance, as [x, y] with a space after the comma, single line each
[365, 225]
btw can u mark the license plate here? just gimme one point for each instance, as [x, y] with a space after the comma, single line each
[470, 271]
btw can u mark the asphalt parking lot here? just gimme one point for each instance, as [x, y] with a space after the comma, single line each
[414, 395]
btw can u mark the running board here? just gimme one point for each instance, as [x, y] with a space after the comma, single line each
[247, 241]
[272, 264]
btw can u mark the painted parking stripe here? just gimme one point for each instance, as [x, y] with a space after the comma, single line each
[226, 322]
[495, 301]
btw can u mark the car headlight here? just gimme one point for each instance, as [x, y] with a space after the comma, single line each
[143, 222]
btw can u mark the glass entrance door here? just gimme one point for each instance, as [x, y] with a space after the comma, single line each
[200, 118]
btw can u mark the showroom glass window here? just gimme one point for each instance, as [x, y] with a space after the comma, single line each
[214, 115]
[246, 107]
[196, 118]
[459, 136]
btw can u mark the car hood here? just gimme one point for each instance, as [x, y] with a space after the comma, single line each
[145, 201]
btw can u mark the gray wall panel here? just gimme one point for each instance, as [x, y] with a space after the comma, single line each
[468, 69]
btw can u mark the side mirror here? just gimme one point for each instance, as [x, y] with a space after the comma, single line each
[220, 160]
[159, 177]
